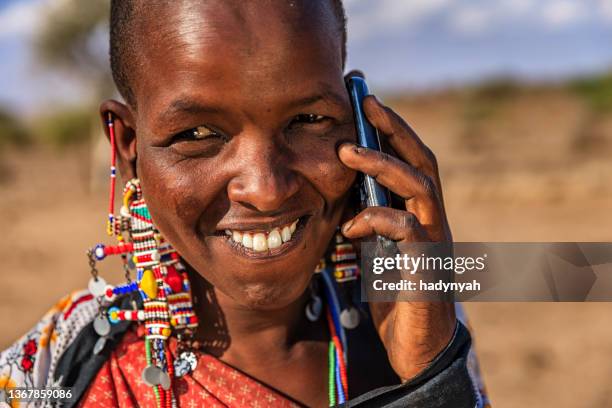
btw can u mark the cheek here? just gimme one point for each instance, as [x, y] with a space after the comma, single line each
[329, 176]
[334, 180]
[176, 194]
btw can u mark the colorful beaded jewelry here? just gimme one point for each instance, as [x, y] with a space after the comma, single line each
[161, 282]
[341, 263]
[338, 351]
[346, 272]
[113, 176]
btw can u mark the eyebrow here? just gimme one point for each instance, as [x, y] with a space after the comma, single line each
[184, 106]
[324, 96]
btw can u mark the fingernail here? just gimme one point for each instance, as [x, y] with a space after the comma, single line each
[354, 147]
[347, 226]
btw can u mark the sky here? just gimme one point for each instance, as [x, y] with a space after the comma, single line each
[399, 44]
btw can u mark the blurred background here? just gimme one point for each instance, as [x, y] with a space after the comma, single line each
[514, 97]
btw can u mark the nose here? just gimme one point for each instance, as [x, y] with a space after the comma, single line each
[265, 180]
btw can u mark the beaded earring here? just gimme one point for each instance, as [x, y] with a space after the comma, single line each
[161, 281]
[346, 271]
[342, 259]
[314, 307]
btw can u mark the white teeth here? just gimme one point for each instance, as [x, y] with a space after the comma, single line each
[247, 240]
[274, 239]
[286, 234]
[260, 243]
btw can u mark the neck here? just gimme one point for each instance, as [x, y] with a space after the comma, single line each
[238, 334]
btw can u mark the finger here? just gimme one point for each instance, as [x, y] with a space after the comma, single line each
[399, 177]
[401, 136]
[394, 224]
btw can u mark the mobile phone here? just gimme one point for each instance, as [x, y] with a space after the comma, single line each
[372, 193]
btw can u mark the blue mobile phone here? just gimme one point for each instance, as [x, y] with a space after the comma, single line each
[372, 193]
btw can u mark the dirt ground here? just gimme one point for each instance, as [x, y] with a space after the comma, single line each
[530, 170]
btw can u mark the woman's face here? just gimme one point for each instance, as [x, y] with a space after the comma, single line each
[239, 112]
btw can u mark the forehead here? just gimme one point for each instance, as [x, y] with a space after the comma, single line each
[263, 47]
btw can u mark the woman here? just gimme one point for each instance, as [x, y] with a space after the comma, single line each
[237, 139]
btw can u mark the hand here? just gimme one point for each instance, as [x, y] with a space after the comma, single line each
[413, 333]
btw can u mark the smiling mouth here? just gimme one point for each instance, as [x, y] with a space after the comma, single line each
[258, 243]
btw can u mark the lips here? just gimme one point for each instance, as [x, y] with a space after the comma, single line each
[262, 241]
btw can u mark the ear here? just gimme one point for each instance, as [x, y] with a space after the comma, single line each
[351, 209]
[353, 203]
[125, 135]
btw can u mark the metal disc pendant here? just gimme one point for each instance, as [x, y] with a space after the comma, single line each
[314, 308]
[97, 286]
[164, 380]
[349, 318]
[151, 375]
[102, 326]
[99, 346]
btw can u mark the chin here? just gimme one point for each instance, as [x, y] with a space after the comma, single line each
[269, 297]
[266, 285]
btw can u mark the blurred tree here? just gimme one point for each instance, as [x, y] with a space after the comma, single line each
[593, 136]
[596, 92]
[12, 132]
[73, 39]
[69, 126]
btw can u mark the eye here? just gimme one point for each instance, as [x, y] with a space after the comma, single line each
[201, 132]
[196, 133]
[308, 118]
[200, 141]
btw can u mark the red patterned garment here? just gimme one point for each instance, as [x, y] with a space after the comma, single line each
[213, 383]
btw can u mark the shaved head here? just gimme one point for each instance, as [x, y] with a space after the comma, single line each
[135, 22]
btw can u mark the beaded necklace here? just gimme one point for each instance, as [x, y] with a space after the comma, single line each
[337, 350]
